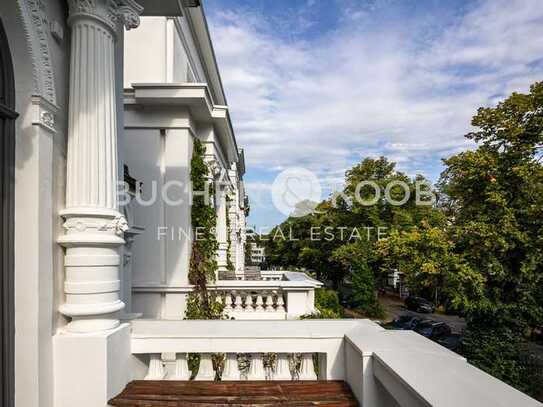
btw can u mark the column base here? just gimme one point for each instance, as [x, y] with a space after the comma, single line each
[90, 324]
[92, 317]
[92, 261]
[90, 369]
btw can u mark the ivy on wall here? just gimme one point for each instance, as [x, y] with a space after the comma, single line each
[201, 303]
[229, 264]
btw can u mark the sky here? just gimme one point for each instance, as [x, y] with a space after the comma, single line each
[322, 84]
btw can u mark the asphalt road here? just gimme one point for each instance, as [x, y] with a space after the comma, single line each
[395, 307]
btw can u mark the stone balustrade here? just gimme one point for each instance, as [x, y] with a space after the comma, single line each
[281, 295]
[278, 295]
[231, 366]
[242, 301]
[382, 367]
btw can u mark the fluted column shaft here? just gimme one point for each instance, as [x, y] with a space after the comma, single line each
[94, 227]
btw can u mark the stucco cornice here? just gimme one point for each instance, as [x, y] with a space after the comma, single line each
[35, 25]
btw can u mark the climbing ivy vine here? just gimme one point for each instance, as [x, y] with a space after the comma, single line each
[229, 264]
[201, 303]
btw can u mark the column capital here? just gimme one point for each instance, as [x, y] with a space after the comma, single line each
[113, 13]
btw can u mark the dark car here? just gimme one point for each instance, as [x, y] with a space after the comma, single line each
[451, 342]
[433, 330]
[406, 322]
[419, 304]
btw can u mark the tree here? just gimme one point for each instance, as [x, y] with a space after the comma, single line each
[495, 195]
[425, 254]
[357, 258]
[344, 212]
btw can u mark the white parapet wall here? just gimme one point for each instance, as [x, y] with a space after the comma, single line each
[384, 368]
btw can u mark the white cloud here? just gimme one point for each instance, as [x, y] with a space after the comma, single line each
[325, 103]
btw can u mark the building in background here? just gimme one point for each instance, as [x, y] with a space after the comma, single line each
[173, 95]
[258, 254]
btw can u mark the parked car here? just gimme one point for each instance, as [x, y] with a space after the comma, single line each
[451, 342]
[406, 322]
[419, 304]
[433, 330]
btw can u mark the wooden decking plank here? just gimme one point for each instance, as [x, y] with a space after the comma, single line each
[164, 393]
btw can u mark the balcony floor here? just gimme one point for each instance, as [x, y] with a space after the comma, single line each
[160, 393]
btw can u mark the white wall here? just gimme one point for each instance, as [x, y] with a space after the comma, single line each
[39, 192]
[158, 52]
[161, 253]
[145, 52]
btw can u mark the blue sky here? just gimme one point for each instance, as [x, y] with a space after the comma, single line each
[321, 84]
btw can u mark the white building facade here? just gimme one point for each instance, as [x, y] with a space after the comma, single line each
[173, 96]
[92, 296]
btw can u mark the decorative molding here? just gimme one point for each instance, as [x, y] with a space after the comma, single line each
[129, 13]
[45, 114]
[113, 13]
[117, 225]
[36, 27]
[213, 166]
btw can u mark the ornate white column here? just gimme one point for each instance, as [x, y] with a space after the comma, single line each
[222, 232]
[94, 226]
[233, 220]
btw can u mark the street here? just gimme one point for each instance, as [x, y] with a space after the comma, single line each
[394, 307]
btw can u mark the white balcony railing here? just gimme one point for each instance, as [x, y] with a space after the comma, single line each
[278, 295]
[384, 368]
[286, 295]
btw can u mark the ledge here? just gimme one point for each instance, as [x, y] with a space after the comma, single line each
[228, 329]
[194, 96]
[231, 285]
[439, 380]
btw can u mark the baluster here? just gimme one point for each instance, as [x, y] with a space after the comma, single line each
[231, 368]
[282, 371]
[181, 367]
[244, 362]
[280, 302]
[228, 302]
[156, 368]
[307, 370]
[249, 303]
[270, 360]
[218, 298]
[256, 371]
[259, 303]
[238, 305]
[205, 372]
[269, 302]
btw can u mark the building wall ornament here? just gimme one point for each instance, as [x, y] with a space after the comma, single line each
[45, 114]
[118, 225]
[36, 28]
[214, 167]
[113, 13]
